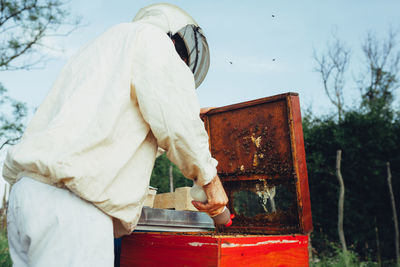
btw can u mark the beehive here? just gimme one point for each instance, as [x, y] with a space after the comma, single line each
[260, 149]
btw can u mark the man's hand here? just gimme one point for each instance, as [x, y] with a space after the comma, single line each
[216, 198]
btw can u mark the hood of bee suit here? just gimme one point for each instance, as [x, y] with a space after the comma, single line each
[174, 20]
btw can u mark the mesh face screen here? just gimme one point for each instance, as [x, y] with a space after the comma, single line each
[198, 53]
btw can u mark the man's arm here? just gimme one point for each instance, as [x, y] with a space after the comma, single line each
[168, 102]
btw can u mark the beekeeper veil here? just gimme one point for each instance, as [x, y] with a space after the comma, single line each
[176, 22]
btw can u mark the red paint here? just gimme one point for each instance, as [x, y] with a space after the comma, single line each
[177, 249]
[229, 223]
[300, 164]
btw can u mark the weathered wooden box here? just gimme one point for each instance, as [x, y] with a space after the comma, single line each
[260, 149]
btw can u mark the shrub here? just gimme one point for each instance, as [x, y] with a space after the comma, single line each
[5, 259]
[342, 259]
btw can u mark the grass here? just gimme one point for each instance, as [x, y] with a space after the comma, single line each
[5, 259]
[343, 259]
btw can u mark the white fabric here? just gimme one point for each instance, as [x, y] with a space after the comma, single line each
[50, 226]
[167, 17]
[98, 129]
[172, 19]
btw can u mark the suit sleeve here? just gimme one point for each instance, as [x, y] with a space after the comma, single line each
[165, 90]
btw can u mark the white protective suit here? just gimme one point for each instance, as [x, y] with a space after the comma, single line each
[118, 99]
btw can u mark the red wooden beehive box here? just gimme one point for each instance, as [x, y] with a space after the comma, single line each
[260, 149]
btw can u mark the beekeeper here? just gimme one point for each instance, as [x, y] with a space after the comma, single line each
[83, 165]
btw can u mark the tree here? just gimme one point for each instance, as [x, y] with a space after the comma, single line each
[369, 141]
[332, 66]
[24, 24]
[11, 119]
[381, 77]
[161, 173]
[395, 221]
[369, 134]
[341, 201]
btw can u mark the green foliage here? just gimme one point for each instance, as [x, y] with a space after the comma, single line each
[381, 77]
[5, 259]
[379, 94]
[368, 141]
[23, 26]
[342, 259]
[369, 136]
[12, 116]
[160, 175]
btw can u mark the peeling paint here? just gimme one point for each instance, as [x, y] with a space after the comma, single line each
[200, 244]
[268, 242]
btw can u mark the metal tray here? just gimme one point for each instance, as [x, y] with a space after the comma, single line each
[164, 220]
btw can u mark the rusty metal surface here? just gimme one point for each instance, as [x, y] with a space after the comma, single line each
[262, 164]
[252, 141]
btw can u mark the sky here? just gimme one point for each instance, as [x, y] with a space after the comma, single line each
[269, 43]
